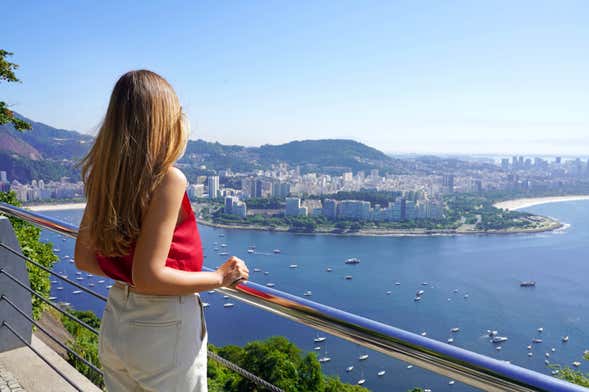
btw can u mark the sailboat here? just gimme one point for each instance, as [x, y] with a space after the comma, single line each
[324, 358]
[362, 380]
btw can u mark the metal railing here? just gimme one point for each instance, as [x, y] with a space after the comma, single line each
[459, 364]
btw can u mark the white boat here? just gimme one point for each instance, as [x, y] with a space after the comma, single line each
[257, 270]
[451, 382]
[361, 381]
[397, 283]
[465, 296]
[540, 329]
[565, 339]
[349, 369]
[320, 339]
[324, 359]
[78, 272]
[54, 281]
[223, 253]
[450, 340]
[424, 333]
[226, 297]
[381, 373]
[424, 283]
[80, 278]
[211, 291]
[76, 291]
[223, 245]
[409, 366]
[109, 286]
[270, 284]
[455, 329]
[250, 251]
[52, 298]
[352, 260]
[498, 348]
[576, 364]
[317, 348]
[266, 273]
[348, 277]
[417, 299]
[72, 261]
[276, 251]
[329, 269]
[293, 266]
[492, 332]
[536, 340]
[91, 284]
[363, 357]
[419, 293]
[56, 250]
[205, 305]
[308, 293]
[228, 305]
[389, 292]
[499, 339]
[59, 288]
[101, 281]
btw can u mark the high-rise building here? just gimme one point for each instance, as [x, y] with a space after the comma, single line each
[213, 185]
[448, 183]
[330, 208]
[228, 208]
[293, 204]
[3, 177]
[505, 164]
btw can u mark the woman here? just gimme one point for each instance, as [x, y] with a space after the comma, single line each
[139, 229]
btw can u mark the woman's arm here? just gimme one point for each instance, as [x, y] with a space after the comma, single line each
[85, 252]
[150, 274]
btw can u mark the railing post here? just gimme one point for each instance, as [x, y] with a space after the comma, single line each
[20, 297]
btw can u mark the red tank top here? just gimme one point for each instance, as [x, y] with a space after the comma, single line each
[185, 250]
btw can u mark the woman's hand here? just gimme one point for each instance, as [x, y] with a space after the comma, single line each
[232, 271]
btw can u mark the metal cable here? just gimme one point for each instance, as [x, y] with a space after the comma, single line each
[23, 340]
[56, 307]
[244, 373]
[83, 288]
[36, 324]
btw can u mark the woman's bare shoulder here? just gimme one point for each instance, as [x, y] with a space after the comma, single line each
[173, 183]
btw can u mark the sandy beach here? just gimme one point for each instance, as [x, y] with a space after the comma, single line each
[57, 207]
[518, 204]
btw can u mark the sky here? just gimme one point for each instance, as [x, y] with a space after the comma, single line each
[472, 77]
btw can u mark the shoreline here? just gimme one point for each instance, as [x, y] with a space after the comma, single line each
[518, 204]
[551, 225]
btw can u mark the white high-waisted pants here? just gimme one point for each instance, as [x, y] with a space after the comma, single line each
[153, 342]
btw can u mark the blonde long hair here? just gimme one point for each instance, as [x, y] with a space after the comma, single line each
[143, 133]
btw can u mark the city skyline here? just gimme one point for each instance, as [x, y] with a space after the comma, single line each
[498, 79]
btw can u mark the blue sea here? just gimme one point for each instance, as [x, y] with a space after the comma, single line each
[486, 267]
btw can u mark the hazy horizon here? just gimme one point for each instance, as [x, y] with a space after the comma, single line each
[455, 78]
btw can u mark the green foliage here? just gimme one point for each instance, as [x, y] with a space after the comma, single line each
[7, 74]
[572, 375]
[85, 343]
[279, 362]
[28, 238]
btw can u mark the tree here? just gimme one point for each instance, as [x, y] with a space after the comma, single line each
[7, 74]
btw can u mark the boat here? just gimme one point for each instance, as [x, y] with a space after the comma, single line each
[250, 251]
[451, 382]
[308, 293]
[79, 273]
[419, 293]
[389, 292]
[409, 366]
[56, 250]
[530, 354]
[91, 284]
[211, 291]
[349, 369]
[450, 340]
[361, 381]
[381, 373]
[276, 251]
[54, 281]
[528, 283]
[417, 298]
[270, 284]
[455, 329]
[465, 296]
[228, 305]
[540, 329]
[492, 332]
[109, 286]
[59, 288]
[329, 269]
[257, 270]
[226, 297]
[293, 266]
[348, 277]
[101, 281]
[536, 340]
[363, 357]
[498, 348]
[424, 333]
[52, 298]
[352, 260]
[424, 283]
[223, 245]
[317, 348]
[80, 278]
[576, 364]
[547, 355]
[223, 253]
[205, 305]
[499, 339]
[324, 359]
[76, 291]
[565, 339]
[266, 273]
[397, 283]
[320, 339]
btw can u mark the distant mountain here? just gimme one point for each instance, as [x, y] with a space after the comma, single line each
[43, 142]
[326, 155]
